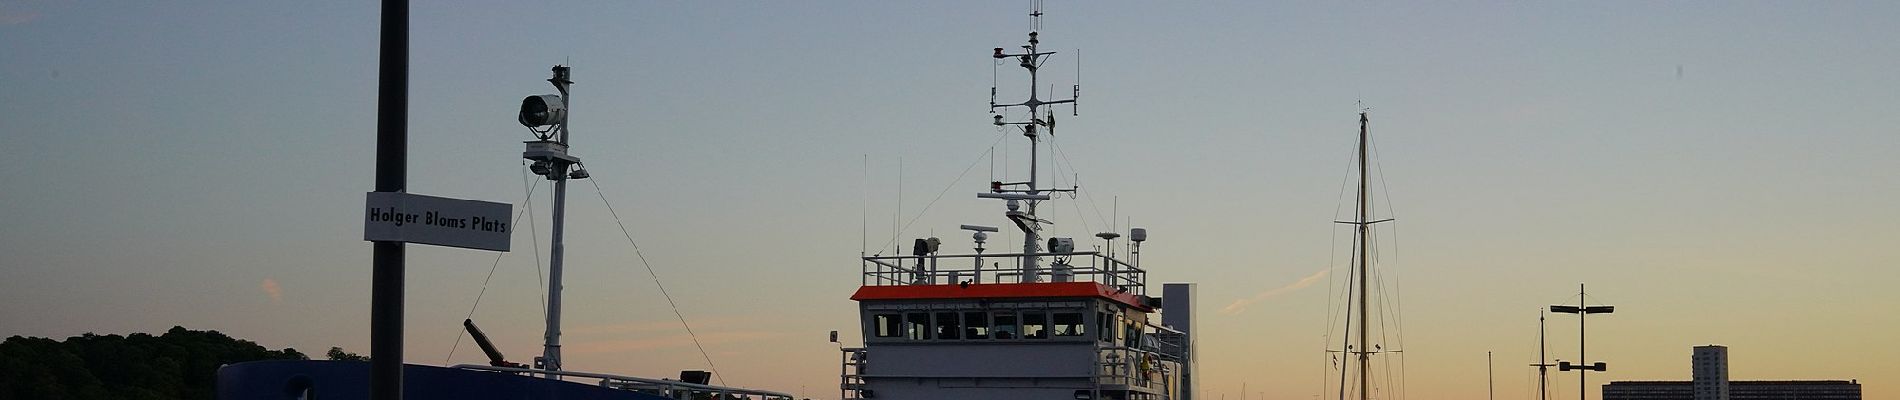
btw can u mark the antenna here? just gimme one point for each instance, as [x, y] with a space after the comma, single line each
[1040, 121]
[1035, 15]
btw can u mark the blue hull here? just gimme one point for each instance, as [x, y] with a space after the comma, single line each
[349, 380]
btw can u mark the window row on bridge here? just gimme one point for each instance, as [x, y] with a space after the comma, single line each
[978, 325]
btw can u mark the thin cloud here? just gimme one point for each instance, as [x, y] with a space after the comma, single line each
[271, 288]
[1241, 305]
[16, 18]
[12, 14]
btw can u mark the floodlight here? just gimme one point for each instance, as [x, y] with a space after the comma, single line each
[543, 110]
[1061, 245]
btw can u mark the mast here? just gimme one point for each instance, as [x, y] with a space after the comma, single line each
[1360, 238]
[1041, 120]
[1362, 225]
[1543, 362]
[551, 161]
[551, 350]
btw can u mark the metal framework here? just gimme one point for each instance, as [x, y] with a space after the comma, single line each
[940, 269]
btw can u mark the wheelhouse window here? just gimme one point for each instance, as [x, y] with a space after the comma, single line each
[976, 325]
[1005, 325]
[947, 326]
[917, 325]
[1035, 325]
[887, 326]
[1105, 323]
[1068, 324]
[1131, 334]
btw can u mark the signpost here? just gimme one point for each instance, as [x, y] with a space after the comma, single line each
[392, 176]
[441, 221]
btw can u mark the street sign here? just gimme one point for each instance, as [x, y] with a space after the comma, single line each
[441, 221]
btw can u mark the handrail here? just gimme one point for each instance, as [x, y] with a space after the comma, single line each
[1098, 266]
[669, 384]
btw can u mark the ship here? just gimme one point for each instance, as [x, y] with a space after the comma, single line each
[1059, 319]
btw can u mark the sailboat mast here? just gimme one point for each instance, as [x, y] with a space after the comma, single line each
[1361, 224]
[1543, 363]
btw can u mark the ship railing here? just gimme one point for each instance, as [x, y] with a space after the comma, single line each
[1147, 365]
[660, 387]
[851, 373]
[939, 269]
[1134, 367]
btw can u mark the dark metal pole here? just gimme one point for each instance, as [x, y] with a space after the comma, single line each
[392, 175]
[1364, 268]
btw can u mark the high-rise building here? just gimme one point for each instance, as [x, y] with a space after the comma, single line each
[1711, 382]
[1711, 372]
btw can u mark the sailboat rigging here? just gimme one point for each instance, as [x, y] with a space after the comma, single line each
[1357, 342]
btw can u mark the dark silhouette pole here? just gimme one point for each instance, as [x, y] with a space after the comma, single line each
[392, 175]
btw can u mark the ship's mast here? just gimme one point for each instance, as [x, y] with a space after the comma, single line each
[552, 162]
[1543, 361]
[1041, 121]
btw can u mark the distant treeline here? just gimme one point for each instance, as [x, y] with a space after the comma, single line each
[180, 364]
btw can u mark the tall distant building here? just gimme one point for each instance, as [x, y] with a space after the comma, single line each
[1711, 382]
[1711, 372]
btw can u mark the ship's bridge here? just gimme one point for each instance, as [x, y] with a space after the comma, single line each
[973, 326]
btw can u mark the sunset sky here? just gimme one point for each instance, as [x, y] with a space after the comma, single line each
[1722, 172]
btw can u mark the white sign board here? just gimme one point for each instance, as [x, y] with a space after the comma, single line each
[441, 221]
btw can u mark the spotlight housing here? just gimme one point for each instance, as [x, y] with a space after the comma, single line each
[542, 110]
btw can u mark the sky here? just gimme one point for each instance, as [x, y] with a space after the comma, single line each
[1722, 172]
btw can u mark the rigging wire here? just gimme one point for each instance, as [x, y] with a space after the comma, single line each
[1079, 215]
[1064, 157]
[946, 189]
[656, 282]
[526, 208]
[534, 239]
[1388, 301]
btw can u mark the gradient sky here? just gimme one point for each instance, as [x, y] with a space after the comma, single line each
[1723, 172]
